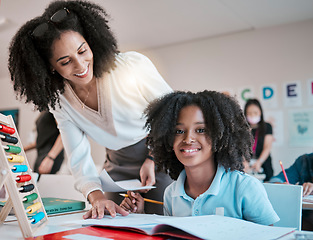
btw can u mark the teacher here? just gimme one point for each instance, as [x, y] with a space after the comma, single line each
[67, 61]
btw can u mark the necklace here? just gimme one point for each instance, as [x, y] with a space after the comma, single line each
[83, 103]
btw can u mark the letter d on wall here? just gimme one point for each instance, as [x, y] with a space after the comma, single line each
[269, 95]
[268, 92]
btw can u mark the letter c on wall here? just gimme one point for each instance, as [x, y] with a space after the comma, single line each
[243, 93]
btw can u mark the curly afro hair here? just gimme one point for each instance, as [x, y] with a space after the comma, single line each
[226, 127]
[29, 55]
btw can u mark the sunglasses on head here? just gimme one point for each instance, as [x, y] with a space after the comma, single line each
[56, 18]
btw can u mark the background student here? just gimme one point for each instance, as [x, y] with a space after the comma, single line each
[201, 139]
[48, 144]
[300, 172]
[263, 138]
[67, 61]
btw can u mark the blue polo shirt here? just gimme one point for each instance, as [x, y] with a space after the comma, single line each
[239, 195]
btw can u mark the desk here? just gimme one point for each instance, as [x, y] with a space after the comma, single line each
[307, 202]
[292, 236]
[11, 230]
[307, 206]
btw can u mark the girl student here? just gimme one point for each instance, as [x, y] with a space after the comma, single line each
[201, 140]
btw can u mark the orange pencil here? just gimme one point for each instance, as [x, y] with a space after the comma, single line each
[282, 168]
[145, 199]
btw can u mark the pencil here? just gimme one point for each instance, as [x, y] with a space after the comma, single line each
[282, 168]
[145, 199]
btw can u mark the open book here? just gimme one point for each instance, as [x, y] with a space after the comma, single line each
[203, 227]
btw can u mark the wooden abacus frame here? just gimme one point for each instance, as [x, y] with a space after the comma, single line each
[8, 178]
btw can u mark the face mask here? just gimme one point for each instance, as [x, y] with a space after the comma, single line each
[254, 120]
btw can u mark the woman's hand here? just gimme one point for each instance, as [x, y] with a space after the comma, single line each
[257, 166]
[307, 188]
[147, 174]
[46, 166]
[133, 203]
[267, 146]
[101, 206]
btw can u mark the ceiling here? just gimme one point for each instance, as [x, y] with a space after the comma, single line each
[145, 24]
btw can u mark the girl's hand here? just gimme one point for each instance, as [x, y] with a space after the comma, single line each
[307, 188]
[147, 174]
[101, 206]
[133, 203]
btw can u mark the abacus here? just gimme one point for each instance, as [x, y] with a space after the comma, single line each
[15, 174]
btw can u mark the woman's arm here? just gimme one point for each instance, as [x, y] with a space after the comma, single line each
[87, 181]
[47, 163]
[267, 146]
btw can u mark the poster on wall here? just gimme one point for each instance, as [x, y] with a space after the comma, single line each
[292, 94]
[14, 113]
[269, 96]
[276, 119]
[300, 127]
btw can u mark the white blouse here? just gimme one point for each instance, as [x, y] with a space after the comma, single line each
[123, 94]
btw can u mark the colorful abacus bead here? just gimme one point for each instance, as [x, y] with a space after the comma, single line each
[39, 216]
[33, 208]
[6, 129]
[23, 178]
[19, 168]
[12, 149]
[15, 158]
[7, 138]
[26, 188]
[30, 198]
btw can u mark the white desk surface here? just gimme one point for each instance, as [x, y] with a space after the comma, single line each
[10, 230]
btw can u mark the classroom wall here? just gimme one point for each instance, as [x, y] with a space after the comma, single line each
[274, 55]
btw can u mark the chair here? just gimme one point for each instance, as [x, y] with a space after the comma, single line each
[287, 203]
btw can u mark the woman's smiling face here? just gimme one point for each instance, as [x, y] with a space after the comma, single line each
[192, 145]
[72, 58]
